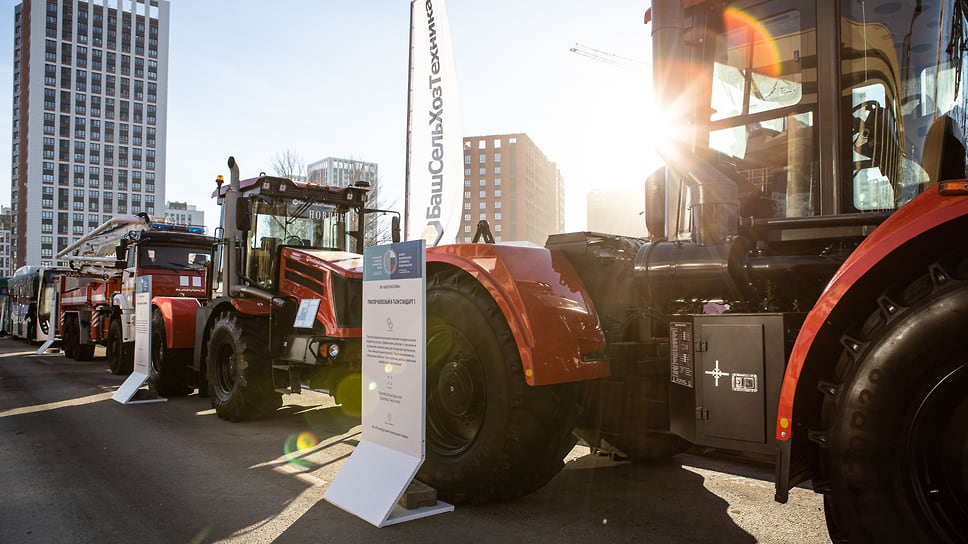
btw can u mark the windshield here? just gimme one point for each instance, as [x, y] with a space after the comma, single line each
[296, 223]
[762, 104]
[289, 222]
[902, 106]
[173, 257]
[904, 79]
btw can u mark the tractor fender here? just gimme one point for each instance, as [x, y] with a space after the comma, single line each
[915, 235]
[179, 316]
[251, 306]
[548, 309]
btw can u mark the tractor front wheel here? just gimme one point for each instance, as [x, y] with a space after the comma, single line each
[490, 436]
[895, 445]
[239, 375]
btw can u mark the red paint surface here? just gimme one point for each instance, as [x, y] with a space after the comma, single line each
[922, 214]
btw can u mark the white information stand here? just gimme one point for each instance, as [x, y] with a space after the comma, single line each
[51, 325]
[391, 448]
[142, 346]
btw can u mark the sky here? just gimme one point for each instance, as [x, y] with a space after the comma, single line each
[255, 78]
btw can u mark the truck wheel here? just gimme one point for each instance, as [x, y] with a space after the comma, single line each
[120, 356]
[69, 345]
[85, 352]
[168, 371]
[239, 375]
[895, 445]
[490, 436]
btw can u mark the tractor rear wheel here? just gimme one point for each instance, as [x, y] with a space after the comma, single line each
[894, 450]
[168, 368]
[490, 436]
[239, 375]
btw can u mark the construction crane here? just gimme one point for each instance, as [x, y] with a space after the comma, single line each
[609, 58]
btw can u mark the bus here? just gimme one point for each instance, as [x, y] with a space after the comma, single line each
[29, 293]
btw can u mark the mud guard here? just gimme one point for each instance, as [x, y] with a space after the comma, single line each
[179, 316]
[925, 213]
[550, 313]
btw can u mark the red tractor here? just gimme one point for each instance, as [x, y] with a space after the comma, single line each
[799, 297]
[283, 250]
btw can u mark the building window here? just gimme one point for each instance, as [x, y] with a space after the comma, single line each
[483, 171]
[483, 194]
[467, 159]
[467, 194]
[483, 205]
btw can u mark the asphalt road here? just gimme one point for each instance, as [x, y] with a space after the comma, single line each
[77, 467]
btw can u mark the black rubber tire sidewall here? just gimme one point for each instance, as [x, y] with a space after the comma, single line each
[865, 459]
[67, 338]
[526, 431]
[167, 368]
[239, 402]
[117, 360]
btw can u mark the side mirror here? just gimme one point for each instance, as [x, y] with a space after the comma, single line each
[243, 215]
[121, 254]
[395, 229]
[655, 203]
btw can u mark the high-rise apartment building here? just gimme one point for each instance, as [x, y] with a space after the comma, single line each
[183, 213]
[509, 182]
[89, 118]
[6, 259]
[337, 172]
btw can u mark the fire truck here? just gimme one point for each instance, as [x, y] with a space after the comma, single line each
[801, 297]
[96, 297]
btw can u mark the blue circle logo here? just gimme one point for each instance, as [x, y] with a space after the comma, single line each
[390, 261]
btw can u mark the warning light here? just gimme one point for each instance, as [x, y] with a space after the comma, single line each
[955, 187]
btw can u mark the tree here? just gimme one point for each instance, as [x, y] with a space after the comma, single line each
[289, 164]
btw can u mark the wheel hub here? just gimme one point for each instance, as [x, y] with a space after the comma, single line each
[455, 388]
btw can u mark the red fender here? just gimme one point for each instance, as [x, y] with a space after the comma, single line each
[179, 316]
[548, 309]
[925, 212]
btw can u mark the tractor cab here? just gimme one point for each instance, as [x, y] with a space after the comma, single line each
[792, 133]
[274, 213]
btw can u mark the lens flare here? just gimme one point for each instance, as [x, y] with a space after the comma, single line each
[371, 386]
[741, 29]
[299, 442]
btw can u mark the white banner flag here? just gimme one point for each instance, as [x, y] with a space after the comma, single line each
[435, 161]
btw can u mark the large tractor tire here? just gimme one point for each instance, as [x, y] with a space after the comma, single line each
[894, 448]
[490, 436]
[239, 375]
[168, 368]
[120, 354]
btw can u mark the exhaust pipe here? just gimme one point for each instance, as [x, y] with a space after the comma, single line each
[230, 229]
